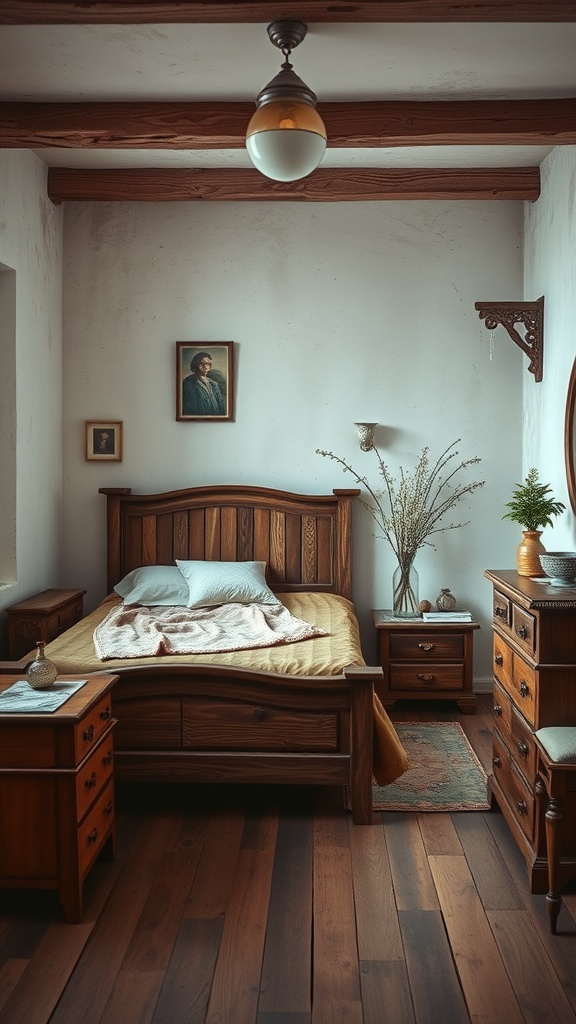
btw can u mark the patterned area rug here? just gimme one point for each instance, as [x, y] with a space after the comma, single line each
[445, 775]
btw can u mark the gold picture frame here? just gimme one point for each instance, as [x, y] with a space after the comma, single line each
[104, 440]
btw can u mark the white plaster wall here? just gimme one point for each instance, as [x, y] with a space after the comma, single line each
[550, 270]
[339, 312]
[31, 244]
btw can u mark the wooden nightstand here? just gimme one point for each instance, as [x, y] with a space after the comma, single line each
[56, 792]
[425, 660]
[41, 617]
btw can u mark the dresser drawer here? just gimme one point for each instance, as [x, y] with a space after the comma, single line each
[426, 646]
[517, 678]
[524, 629]
[218, 725]
[525, 689]
[519, 796]
[93, 775]
[502, 661]
[522, 746]
[501, 609]
[502, 708]
[434, 677]
[95, 829]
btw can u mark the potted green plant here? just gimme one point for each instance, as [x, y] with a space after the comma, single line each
[532, 506]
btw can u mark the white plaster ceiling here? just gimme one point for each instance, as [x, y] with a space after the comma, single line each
[341, 62]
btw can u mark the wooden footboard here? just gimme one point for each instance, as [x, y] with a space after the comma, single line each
[210, 724]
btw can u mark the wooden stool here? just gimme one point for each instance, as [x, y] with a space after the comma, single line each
[556, 780]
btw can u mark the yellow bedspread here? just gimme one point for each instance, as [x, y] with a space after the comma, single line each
[74, 652]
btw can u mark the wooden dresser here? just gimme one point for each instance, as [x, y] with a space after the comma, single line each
[41, 617]
[56, 792]
[425, 660]
[534, 665]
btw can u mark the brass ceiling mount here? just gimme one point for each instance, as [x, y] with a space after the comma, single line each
[531, 315]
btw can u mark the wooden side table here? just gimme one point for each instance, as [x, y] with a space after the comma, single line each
[425, 660]
[41, 617]
[56, 792]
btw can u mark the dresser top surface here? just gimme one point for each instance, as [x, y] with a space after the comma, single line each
[532, 593]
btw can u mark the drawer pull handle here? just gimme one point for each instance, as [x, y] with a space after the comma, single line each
[524, 691]
[499, 612]
[107, 759]
[496, 762]
[426, 678]
[109, 808]
[498, 660]
[91, 781]
[522, 632]
[523, 749]
[498, 709]
[259, 714]
[522, 808]
[426, 647]
[88, 734]
[92, 836]
[105, 713]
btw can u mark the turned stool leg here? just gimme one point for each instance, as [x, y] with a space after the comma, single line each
[554, 817]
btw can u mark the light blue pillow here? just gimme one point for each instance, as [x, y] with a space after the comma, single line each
[154, 585]
[212, 583]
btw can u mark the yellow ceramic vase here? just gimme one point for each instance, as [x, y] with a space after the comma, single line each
[527, 555]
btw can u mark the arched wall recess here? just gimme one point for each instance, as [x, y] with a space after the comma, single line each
[531, 315]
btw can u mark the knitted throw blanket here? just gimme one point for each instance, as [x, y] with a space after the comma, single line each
[138, 632]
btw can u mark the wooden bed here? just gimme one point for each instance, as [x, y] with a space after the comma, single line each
[213, 722]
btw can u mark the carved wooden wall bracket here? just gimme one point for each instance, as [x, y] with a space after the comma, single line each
[531, 315]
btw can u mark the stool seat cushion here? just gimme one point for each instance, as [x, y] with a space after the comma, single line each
[559, 742]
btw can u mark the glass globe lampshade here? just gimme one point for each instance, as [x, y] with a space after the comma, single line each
[286, 137]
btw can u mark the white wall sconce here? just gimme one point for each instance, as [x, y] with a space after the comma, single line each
[366, 435]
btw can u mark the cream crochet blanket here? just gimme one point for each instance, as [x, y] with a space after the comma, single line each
[138, 632]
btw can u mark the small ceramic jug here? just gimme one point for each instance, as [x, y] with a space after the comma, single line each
[445, 602]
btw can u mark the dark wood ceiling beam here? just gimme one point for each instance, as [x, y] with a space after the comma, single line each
[349, 125]
[92, 12]
[332, 185]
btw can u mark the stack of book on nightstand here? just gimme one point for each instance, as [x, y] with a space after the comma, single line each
[458, 615]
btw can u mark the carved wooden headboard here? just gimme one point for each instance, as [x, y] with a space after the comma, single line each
[305, 539]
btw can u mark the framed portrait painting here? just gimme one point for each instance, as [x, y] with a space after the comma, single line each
[104, 441]
[204, 380]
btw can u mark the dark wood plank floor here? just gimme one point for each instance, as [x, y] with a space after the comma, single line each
[264, 905]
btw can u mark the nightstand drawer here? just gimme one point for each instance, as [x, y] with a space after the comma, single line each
[88, 732]
[426, 646]
[95, 829]
[436, 677]
[64, 618]
[93, 775]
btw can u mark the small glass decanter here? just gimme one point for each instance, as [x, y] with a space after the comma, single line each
[41, 673]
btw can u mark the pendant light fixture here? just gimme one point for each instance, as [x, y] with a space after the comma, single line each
[286, 137]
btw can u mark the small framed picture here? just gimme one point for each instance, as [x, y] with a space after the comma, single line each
[204, 380]
[104, 441]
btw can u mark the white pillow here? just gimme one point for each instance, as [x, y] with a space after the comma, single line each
[212, 583]
[154, 585]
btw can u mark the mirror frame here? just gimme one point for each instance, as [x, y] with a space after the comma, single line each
[570, 437]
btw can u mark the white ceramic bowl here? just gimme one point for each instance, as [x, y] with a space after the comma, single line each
[560, 567]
